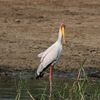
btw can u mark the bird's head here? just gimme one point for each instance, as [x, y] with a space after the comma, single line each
[62, 30]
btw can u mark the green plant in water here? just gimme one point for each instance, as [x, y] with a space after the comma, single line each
[80, 84]
[79, 89]
[22, 85]
[62, 92]
[18, 91]
[43, 95]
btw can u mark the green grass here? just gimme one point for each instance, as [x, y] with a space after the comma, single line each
[22, 89]
[81, 88]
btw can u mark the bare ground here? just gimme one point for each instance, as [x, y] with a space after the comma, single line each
[28, 27]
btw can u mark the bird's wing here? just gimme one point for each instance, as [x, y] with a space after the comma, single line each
[48, 51]
[48, 59]
[40, 54]
[43, 54]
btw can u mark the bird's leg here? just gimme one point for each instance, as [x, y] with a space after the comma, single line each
[50, 80]
[50, 73]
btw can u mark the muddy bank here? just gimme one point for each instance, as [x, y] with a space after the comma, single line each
[31, 74]
[28, 27]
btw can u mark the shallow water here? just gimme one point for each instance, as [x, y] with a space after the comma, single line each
[40, 88]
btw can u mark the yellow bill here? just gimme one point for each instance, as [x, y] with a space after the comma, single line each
[63, 33]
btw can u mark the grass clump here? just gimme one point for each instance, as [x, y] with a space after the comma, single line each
[22, 90]
[81, 88]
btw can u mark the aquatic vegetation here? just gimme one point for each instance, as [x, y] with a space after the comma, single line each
[81, 88]
[22, 88]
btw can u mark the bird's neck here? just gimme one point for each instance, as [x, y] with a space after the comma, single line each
[59, 36]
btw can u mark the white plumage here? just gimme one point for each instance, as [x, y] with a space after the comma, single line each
[52, 54]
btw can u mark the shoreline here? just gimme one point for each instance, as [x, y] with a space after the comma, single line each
[15, 73]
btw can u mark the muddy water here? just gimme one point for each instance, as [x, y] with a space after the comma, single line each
[19, 81]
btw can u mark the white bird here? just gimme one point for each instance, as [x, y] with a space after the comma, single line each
[50, 56]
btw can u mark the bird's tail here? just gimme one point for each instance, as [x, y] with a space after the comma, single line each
[39, 72]
[39, 76]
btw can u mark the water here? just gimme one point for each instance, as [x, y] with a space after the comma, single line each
[24, 82]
